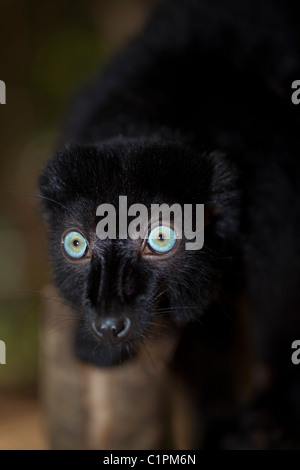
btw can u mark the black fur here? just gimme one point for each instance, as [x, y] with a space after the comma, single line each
[195, 110]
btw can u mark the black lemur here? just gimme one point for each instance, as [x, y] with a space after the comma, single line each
[197, 109]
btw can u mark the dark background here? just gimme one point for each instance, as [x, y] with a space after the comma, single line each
[47, 49]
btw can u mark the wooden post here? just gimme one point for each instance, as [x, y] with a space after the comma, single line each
[138, 405]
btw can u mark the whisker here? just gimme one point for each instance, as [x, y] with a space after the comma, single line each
[170, 309]
[144, 342]
[40, 196]
[58, 299]
[37, 195]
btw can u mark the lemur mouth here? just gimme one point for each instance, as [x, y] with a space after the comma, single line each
[114, 350]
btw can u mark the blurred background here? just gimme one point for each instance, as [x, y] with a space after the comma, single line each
[47, 49]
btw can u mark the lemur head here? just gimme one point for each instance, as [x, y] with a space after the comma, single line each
[123, 287]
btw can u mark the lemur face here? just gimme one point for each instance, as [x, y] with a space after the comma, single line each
[124, 288]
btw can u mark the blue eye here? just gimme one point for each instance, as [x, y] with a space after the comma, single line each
[162, 239]
[75, 244]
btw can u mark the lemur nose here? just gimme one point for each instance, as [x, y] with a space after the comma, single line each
[111, 329]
